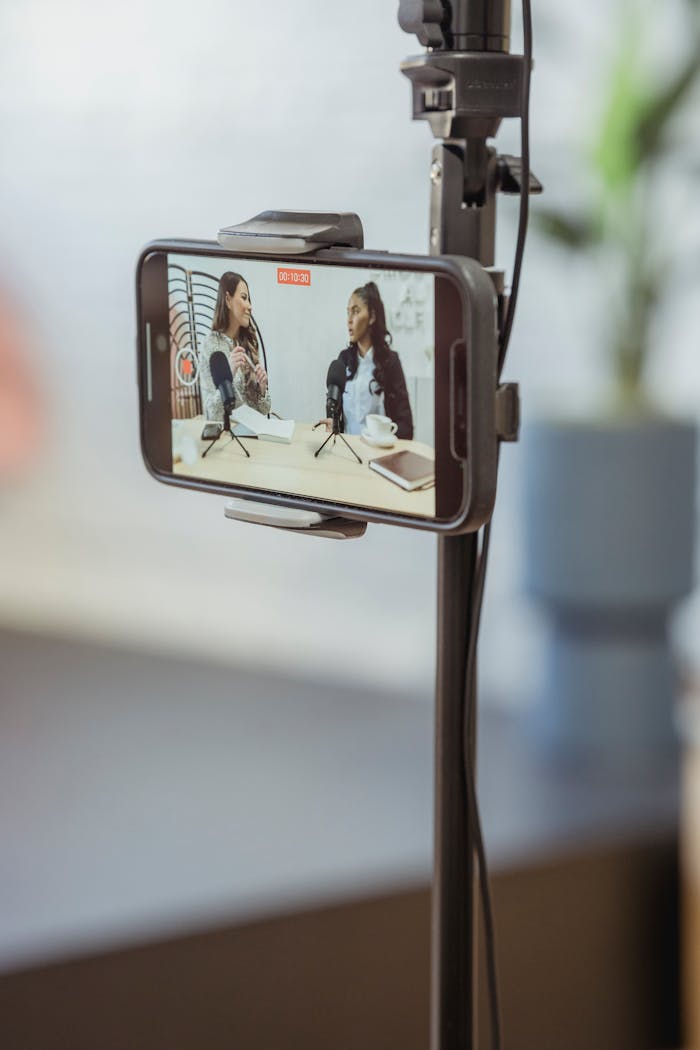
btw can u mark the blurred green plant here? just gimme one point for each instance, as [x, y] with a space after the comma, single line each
[620, 222]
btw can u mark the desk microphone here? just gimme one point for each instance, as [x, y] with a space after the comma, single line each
[335, 385]
[222, 377]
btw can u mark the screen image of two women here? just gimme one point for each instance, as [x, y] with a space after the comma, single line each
[375, 381]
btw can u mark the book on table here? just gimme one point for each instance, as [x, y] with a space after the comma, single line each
[408, 469]
[251, 423]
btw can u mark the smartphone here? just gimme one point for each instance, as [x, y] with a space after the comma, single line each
[211, 431]
[333, 362]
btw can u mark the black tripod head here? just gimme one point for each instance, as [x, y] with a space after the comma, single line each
[467, 82]
[463, 25]
[464, 85]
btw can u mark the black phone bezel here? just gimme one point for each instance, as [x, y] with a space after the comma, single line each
[471, 479]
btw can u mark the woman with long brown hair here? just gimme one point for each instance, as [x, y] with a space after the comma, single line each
[233, 332]
[375, 382]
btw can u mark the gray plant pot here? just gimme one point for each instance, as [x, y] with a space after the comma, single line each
[609, 539]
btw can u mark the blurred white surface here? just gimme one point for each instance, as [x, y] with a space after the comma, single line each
[140, 796]
[143, 796]
[156, 119]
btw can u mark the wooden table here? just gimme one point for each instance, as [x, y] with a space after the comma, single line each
[292, 468]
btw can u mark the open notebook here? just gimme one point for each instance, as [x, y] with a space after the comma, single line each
[258, 425]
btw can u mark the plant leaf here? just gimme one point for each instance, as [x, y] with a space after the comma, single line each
[616, 153]
[661, 108]
[573, 232]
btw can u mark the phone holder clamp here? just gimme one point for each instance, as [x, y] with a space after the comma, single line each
[294, 233]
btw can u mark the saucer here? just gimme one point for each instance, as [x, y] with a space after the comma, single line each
[382, 442]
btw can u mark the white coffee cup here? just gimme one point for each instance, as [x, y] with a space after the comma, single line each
[380, 426]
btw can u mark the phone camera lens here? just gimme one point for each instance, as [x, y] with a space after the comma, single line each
[161, 343]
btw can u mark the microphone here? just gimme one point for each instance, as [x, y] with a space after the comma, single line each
[222, 377]
[335, 385]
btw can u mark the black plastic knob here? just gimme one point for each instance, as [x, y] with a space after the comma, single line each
[428, 19]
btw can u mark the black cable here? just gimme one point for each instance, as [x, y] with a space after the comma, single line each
[474, 817]
[482, 561]
[524, 183]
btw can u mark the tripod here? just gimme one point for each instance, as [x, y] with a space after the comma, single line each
[335, 433]
[463, 85]
[226, 429]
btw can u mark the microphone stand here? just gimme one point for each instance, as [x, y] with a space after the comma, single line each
[335, 433]
[226, 429]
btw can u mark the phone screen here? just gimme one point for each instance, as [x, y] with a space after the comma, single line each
[321, 378]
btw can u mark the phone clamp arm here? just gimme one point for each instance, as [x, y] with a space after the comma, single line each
[293, 232]
[302, 522]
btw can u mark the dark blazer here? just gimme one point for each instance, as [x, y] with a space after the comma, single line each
[392, 383]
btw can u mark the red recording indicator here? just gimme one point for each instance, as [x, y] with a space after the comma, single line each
[299, 278]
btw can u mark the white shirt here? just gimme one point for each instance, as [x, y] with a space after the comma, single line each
[358, 400]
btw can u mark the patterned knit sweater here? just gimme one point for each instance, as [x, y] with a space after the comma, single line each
[212, 405]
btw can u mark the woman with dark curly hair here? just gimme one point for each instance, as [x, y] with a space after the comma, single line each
[375, 382]
[233, 332]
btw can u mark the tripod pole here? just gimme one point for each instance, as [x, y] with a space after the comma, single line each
[453, 982]
[463, 86]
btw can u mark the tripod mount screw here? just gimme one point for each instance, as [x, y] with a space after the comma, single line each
[436, 172]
